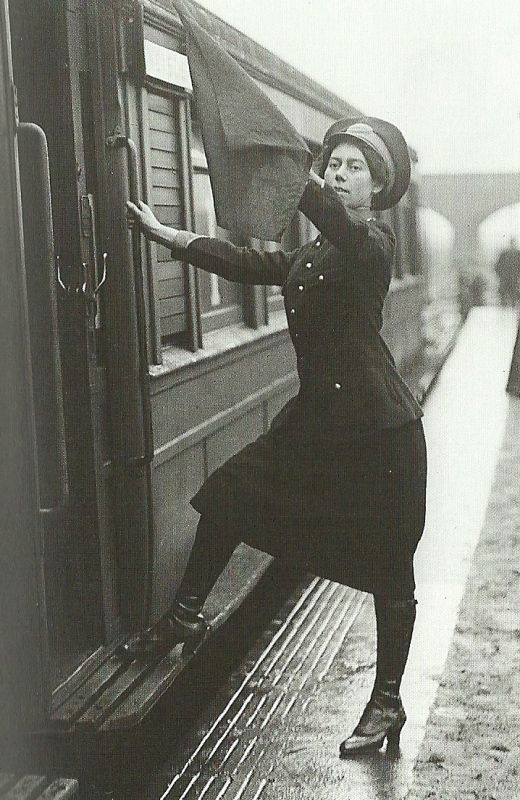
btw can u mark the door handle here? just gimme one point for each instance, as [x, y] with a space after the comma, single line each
[41, 293]
[133, 173]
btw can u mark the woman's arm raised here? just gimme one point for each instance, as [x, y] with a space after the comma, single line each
[344, 227]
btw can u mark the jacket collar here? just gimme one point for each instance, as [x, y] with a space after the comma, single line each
[364, 214]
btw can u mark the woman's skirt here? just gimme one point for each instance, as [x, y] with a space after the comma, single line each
[350, 508]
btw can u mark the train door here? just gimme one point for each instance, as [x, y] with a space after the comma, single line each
[80, 567]
[22, 652]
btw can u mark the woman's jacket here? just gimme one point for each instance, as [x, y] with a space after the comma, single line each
[334, 289]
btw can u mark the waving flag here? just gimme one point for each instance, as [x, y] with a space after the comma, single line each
[258, 163]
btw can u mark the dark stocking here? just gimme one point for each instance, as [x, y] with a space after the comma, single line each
[395, 620]
[211, 551]
[384, 715]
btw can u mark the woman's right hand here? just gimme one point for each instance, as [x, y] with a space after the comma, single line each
[316, 178]
[143, 216]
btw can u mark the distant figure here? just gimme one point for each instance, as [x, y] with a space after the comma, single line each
[508, 272]
[513, 381]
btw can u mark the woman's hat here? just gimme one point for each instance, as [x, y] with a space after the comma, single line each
[384, 139]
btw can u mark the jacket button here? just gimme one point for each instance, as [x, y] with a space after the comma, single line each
[320, 277]
[318, 243]
[337, 385]
[293, 311]
[300, 288]
[308, 264]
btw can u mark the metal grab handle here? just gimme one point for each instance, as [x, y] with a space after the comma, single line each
[96, 289]
[118, 140]
[133, 164]
[83, 287]
[41, 293]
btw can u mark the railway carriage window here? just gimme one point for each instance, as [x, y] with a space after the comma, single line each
[221, 301]
[397, 226]
[299, 232]
[274, 293]
[308, 231]
[165, 196]
[390, 218]
[404, 226]
[406, 211]
[291, 238]
[414, 254]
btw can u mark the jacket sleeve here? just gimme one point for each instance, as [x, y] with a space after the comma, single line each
[373, 241]
[238, 264]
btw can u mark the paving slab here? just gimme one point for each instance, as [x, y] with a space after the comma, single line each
[472, 742]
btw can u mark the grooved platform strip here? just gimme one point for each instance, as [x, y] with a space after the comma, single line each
[232, 758]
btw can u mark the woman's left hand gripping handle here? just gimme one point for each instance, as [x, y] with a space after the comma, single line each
[143, 217]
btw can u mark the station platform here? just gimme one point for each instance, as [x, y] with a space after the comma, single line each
[273, 729]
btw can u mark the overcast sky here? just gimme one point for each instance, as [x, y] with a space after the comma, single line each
[447, 72]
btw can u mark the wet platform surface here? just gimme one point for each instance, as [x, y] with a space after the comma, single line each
[273, 728]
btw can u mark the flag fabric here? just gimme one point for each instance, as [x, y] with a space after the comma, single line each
[258, 163]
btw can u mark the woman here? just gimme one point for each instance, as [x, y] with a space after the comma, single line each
[337, 485]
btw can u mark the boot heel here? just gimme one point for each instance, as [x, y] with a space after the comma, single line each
[393, 737]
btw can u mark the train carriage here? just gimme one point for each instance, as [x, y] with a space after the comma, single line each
[136, 374]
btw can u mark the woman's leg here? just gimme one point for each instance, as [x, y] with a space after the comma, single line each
[212, 549]
[395, 620]
[384, 714]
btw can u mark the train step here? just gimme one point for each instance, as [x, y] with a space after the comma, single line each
[107, 695]
[36, 787]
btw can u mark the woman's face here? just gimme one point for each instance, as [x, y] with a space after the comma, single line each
[348, 174]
